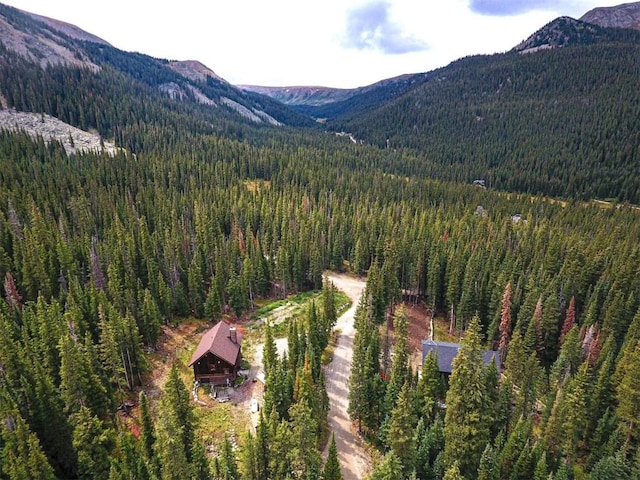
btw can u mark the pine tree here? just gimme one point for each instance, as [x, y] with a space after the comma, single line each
[505, 322]
[262, 449]
[169, 447]
[534, 338]
[430, 388]
[248, 460]
[176, 405]
[466, 429]
[513, 447]
[612, 467]
[79, 383]
[569, 320]
[147, 433]
[150, 319]
[195, 286]
[389, 469]
[400, 364]
[488, 467]
[93, 443]
[628, 392]
[453, 473]
[200, 469]
[21, 454]
[365, 384]
[542, 470]
[129, 463]
[523, 370]
[331, 469]
[329, 311]
[400, 436]
[213, 302]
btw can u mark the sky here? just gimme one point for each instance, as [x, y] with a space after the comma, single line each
[333, 43]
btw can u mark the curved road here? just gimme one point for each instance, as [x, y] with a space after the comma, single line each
[354, 461]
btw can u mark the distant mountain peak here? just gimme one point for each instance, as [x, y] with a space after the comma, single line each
[42, 39]
[194, 70]
[626, 15]
[67, 28]
[561, 32]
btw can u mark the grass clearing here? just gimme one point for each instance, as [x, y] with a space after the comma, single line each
[442, 334]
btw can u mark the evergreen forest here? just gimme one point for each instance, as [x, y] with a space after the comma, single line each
[201, 214]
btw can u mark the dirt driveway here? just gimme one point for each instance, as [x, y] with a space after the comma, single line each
[354, 461]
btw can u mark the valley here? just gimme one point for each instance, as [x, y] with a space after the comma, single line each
[144, 201]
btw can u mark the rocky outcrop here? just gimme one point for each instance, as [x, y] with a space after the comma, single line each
[50, 128]
[626, 15]
[43, 40]
[194, 70]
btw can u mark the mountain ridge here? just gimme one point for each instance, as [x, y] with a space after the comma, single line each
[49, 42]
[626, 15]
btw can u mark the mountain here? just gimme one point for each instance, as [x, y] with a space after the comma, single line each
[563, 120]
[43, 40]
[311, 96]
[626, 15]
[328, 103]
[562, 32]
[32, 42]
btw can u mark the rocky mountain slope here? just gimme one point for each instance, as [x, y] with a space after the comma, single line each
[46, 42]
[50, 128]
[561, 32]
[42, 40]
[626, 15]
[328, 103]
[302, 95]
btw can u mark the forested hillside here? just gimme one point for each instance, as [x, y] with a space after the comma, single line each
[561, 121]
[201, 214]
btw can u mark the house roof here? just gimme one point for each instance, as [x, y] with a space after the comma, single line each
[447, 352]
[217, 340]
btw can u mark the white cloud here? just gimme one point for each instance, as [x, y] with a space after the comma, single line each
[338, 43]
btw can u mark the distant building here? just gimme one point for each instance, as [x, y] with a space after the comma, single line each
[447, 352]
[216, 361]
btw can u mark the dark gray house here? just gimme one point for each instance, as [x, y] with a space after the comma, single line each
[447, 351]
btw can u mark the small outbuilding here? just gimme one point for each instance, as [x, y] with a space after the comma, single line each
[216, 361]
[447, 352]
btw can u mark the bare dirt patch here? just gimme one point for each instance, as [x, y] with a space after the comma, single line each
[419, 316]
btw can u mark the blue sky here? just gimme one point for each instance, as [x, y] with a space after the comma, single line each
[336, 43]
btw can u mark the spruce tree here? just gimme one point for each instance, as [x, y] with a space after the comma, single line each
[628, 392]
[389, 469]
[331, 470]
[147, 433]
[505, 322]
[176, 405]
[430, 388]
[93, 443]
[21, 454]
[466, 428]
[400, 435]
[400, 364]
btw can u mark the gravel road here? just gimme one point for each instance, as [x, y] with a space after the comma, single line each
[354, 461]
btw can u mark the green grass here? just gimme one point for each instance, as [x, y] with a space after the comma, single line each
[221, 418]
[261, 312]
[442, 331]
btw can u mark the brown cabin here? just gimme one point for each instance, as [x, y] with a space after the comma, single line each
[216, 361]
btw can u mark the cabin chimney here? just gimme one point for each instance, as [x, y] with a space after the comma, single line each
[233, 335]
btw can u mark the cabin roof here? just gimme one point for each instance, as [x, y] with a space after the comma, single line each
[448, 351]
[217, 340]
